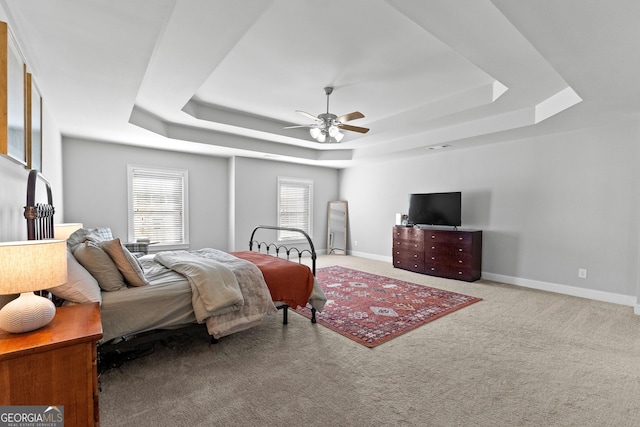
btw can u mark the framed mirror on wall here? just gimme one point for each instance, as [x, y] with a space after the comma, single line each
[12, 98]
[34, 125]
[337, 215]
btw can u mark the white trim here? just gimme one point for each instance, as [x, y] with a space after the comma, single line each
[592, 294]
[370, 256]
[557, 288]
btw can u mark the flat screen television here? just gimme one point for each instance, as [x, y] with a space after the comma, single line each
[435, 209]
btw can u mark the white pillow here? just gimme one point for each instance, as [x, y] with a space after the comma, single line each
[81, 287]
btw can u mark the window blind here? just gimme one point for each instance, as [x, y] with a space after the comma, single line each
[294, 206]
[158, 205]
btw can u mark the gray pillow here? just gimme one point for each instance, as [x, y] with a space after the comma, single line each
[76, 238]
[97, 234]
[100, 265]
[126, 263]
[81, 287]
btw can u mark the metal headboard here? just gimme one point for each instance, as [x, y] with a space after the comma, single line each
[311, 251]
[39, 215]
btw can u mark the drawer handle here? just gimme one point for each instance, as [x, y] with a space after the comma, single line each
[415, 246]
[433, 237]
[433, 247]
[416, 256]
[459, 250]
[459, 238]
[433, 269]
[459, 272]
[433, 257]
[460, 261]
[415, 265]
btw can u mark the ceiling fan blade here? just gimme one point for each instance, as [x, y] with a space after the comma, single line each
[304, 113]
[350, 116]
[353, 128]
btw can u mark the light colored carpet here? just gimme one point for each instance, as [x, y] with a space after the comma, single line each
[520, 357]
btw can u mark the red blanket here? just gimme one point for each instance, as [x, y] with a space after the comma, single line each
[288, 281]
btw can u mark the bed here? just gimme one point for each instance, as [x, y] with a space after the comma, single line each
[229, 292]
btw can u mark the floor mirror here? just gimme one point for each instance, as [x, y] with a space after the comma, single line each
[337, 213]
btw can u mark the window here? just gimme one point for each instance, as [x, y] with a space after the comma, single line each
[158, 205]
[294, 206]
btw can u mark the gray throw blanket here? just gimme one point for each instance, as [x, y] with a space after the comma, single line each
[255, 294]
[214, 287]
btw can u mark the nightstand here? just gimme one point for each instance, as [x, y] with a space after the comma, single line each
[55, 365]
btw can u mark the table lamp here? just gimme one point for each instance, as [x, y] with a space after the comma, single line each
[25, 267]
[63, 231]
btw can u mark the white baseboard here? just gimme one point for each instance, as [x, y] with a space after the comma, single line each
[370, 256]
[593, 294]
[628, 300]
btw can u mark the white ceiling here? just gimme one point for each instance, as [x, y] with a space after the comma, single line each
[223, 78]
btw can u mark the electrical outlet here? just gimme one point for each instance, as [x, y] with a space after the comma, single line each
[582, 273]
[355, 243]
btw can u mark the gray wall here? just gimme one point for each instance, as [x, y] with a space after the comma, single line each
[227, 197]
[548, 205]
[256, 196]
[95, 183]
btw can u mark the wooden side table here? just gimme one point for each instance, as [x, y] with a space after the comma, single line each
[55, 365]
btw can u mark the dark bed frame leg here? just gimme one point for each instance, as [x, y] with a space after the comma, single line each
[285, 315]
[214, 340]
[313, 315]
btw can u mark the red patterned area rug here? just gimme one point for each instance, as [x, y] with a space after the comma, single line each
[372, 309]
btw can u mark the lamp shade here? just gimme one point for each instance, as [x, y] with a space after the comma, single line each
[32, 265]
[63, 231]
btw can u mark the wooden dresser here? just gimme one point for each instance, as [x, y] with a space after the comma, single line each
[454, 254]
[55, 365]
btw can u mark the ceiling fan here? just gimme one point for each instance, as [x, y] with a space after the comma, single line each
[327, 126]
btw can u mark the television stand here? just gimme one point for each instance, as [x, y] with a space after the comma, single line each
[453, 254]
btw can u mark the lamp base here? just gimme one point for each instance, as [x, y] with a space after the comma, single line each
[26, 313]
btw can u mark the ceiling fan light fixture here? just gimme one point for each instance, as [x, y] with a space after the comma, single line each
[315, 132]
[328, 125]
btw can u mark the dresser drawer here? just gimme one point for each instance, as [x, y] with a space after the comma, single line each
[454, 259]
[450, 272]
[409, 264]
[449, 237]
[408, 234]
[408, 245]
[409, 255]
[443, 249]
